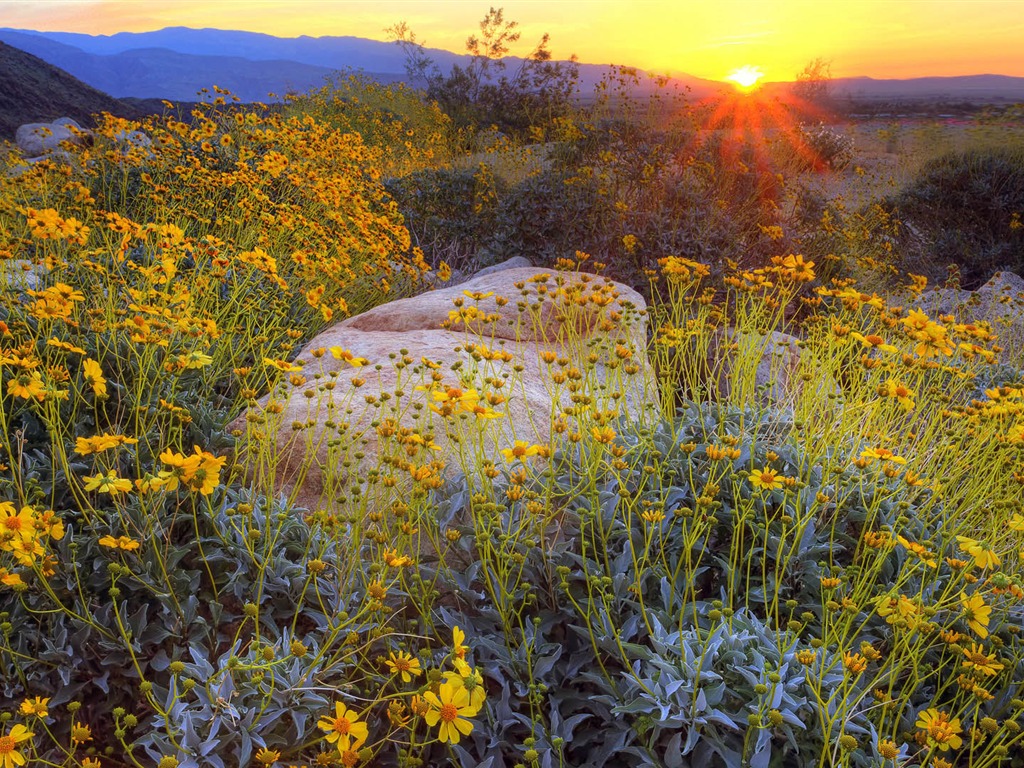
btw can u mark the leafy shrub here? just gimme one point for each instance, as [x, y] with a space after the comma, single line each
[451, 214]
[965, 208]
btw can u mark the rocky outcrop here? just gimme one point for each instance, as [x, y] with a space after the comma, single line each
[451, 378]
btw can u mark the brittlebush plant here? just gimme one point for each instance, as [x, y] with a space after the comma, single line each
[719, 546]
[402, 131]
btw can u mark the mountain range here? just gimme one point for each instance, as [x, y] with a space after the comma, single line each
[176, 62]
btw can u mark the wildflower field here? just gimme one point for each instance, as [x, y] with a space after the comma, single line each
[731, 547]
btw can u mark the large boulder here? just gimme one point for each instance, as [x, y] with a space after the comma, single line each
[39, 139]
[452, 377]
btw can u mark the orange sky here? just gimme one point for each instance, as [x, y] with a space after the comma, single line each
[707, 38]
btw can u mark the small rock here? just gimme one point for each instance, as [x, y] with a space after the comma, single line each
[35, 139]
[943, 301]
[775, 359]
[21, 274]
[999, 302]
[134, 138]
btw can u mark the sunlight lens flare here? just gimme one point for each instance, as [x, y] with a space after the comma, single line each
[746, 78]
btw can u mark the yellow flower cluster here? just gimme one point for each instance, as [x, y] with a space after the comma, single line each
[25, 533]
[48, 224]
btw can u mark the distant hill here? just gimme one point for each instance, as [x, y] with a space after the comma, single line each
[977, 89]
[32, 91]
[966, 87]
[175, 62]
[153, 72]
[332, 52]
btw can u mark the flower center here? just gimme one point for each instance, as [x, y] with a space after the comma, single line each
[342, 725]
[7, 745]
[449, 712]
[767, 478]
[402, 665]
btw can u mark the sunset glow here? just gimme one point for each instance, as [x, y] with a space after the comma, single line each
[882, 39]
[746, 77]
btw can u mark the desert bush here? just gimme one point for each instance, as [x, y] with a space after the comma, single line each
[531, 93]
[965, 208]
[616, 192]
[847, 242]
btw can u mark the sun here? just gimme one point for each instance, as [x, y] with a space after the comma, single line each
[746, 78]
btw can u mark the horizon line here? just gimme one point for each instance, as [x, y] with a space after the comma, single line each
[674, 75]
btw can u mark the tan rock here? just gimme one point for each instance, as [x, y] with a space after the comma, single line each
[530, 313]
[499, 350]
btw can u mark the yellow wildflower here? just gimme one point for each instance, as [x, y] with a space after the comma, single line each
[108, 483]
[405, 665]
[450, 707]
[983, 555]
[941, 732]
[344, 728]
[976, 613]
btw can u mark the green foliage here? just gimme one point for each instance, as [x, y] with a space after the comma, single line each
[676, 642]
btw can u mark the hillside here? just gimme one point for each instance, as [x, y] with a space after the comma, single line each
[33, 91]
